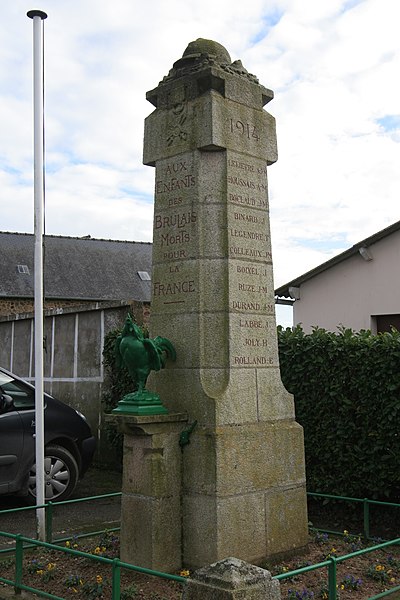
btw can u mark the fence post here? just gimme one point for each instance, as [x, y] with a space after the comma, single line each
[49, 522]
[231, 579]
[19, 556]
[366, 518]
[116, 580]
[332, 578]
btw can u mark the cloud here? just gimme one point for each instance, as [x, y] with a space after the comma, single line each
[332, 65]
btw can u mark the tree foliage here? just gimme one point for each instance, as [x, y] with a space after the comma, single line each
[347, 396]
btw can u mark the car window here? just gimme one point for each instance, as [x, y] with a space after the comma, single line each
[4, 378]
[23, 396]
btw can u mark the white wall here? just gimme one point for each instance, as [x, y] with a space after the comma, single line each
[350, 292]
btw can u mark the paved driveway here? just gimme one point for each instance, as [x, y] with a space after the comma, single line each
[71, 518]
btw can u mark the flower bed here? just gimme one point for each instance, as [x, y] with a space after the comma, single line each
[68, 576]
[360, 577]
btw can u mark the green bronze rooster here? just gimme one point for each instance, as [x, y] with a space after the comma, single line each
[140, 354]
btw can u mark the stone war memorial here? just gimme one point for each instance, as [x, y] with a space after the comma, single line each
[235, 485]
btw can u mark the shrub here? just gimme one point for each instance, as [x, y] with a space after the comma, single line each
[346, 387]
[117, 383]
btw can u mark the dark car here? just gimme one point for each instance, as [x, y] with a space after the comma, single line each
[69, 443]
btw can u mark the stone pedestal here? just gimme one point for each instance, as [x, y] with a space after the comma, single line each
[210, 141]
[151, 518]
[232, 579]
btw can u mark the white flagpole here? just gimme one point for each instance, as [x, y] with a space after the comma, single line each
[38, 108]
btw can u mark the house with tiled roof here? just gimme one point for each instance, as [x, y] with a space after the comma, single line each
[76, 271]
[90, 285]
[357, 289]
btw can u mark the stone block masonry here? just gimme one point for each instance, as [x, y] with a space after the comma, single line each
[210, 141]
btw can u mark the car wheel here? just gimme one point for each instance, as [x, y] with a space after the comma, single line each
[60, 477]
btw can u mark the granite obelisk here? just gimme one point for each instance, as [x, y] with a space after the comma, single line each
[210, 141]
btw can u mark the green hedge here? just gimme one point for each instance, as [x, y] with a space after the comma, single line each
[117, 383]
[118, 380]
[347, 396]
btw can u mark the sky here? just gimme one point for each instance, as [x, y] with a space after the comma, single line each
[334, 68]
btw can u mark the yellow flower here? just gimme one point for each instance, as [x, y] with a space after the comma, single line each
[342, 587]
[379, 568]
[392, 579]
[75, 590]
[75, 546]
[97, 550]
[99, 579]
[103, 548]
[345, 532]
[51, 566]
[68, 544]
[184, 573]
[40, 571]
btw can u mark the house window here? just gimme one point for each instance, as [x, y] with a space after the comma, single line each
[386, 322]
[24, 269]
[144, 276]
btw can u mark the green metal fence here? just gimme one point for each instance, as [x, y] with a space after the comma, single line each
[366, 509]
[49, 513]
[332, 562]
[22, 543]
